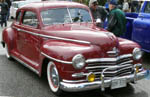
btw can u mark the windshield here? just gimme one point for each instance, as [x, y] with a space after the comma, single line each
[79, 15]
[64, 15]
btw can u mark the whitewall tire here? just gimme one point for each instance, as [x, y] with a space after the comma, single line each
[7, 52]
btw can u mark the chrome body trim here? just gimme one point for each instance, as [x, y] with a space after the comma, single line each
[26, 65]
[73, 81]
[53, 37]
[79, 75]
[92, 60]
[115, 67]
[104, 66]
[93, 67]
[112, 72]
[108, 59]
[35, 64]
[54, 59]
[76, 87]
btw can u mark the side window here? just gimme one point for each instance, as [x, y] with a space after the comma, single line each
[18, 17]
[30, 19]
[147, 7]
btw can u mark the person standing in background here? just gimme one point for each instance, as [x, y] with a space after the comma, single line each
[9, 5]
[98, 12]
[116, 20]
[107, 5]
[134, 6]
[125, 6]
[4, 11]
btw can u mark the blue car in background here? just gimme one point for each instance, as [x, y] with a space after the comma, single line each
[138, 27]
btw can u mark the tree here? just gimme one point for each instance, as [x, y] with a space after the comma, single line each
[86, 2]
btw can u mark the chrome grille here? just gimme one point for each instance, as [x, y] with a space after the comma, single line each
[97, 65]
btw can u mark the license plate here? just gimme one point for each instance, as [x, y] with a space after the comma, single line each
[118, 83]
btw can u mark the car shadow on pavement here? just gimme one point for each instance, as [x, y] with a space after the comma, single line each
[128, 91]
[146, 60]
[146, 57]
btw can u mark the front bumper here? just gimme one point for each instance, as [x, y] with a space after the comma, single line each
[76, 87]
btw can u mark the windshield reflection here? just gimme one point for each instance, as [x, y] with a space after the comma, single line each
[65, 15]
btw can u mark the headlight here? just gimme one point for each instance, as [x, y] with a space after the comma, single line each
[78, 61]
[137, 53]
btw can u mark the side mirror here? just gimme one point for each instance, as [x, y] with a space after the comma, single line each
[98, 21]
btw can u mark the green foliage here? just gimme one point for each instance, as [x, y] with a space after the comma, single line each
[86, 2]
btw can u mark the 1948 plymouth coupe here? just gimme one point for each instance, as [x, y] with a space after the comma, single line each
[62, 40]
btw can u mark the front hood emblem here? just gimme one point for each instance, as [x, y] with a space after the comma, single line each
[114, 52]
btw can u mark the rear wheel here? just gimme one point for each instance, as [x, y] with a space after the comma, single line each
[7, 52]
[53, 78]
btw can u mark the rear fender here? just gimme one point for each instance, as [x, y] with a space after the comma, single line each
[8, 36]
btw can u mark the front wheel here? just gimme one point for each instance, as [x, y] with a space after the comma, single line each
[53, 78]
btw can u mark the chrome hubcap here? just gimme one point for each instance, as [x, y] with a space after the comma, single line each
[54, 77]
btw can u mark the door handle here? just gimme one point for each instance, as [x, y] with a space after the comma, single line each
[18, 29]
[141, 16]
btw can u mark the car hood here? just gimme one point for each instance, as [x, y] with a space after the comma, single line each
[83, 32]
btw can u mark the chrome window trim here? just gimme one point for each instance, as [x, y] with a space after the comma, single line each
[108, 59]
[54, 59]
[53, 37]
[26, 65]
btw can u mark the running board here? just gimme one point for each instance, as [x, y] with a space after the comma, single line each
[26, 65]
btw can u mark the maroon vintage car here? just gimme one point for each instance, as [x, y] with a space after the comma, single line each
[62, 40]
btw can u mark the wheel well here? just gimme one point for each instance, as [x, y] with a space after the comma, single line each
[3, 44]
[44, 67]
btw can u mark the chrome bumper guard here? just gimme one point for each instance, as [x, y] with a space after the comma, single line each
[76, 87]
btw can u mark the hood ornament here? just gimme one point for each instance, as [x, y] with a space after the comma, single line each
[114, 52]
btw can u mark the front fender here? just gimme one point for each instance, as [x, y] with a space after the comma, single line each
[127, 46]
[65, 51]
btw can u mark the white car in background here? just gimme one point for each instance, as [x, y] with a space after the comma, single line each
[15, 6]
[18, 4]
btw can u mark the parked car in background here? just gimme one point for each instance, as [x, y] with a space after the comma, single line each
[15, 5]
[138, 26]
[62, 40]
[18, 4]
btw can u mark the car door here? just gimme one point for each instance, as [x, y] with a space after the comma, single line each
[141, 28]
[18, 35]
[29, 38]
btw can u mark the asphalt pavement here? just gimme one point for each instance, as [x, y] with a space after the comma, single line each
[18, 81]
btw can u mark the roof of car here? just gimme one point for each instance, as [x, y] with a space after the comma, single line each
[45, 4]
